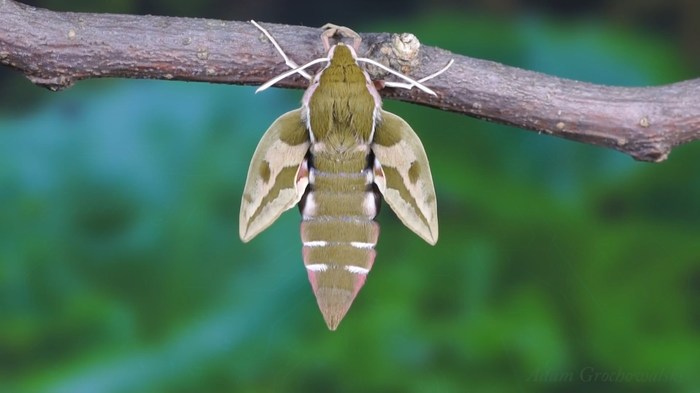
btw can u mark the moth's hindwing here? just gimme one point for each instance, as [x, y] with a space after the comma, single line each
[277, 176]
[402, 175]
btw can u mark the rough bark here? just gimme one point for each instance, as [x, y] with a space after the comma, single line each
[56, 49]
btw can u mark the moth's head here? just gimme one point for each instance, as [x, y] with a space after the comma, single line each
[342, 54]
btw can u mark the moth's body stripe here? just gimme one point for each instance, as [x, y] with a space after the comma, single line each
[362, 244]
[352, 175]
[323, 243]
[322, 267]
[317, 267]
[356, 269]
[350, 219]
[316, 243]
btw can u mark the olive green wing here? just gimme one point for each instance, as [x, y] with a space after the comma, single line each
[402, 174]
[277, 176]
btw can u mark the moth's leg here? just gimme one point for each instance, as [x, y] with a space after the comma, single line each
[329, 30]
[289, 62]
[426, 78]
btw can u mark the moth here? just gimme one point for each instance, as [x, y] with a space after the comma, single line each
[336, 157]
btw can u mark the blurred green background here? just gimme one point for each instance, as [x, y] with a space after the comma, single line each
[560, 267]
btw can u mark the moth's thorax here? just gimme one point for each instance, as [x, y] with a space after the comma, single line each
[341, 108]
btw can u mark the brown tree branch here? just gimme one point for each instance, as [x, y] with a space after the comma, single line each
[55, 49]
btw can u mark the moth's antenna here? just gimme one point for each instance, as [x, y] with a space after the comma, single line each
[421, 80]
[400, 75]
[289, 62]
[291, 72]
[434, 74]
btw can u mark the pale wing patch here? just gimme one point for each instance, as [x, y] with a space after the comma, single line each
[277, 176]
[402, 174]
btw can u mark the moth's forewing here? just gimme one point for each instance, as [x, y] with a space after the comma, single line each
[402, 175]
[277, 176]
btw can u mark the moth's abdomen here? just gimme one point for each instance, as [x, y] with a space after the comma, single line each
[339, 233]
